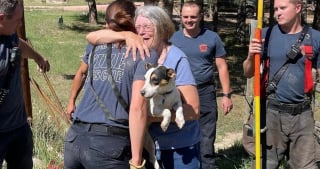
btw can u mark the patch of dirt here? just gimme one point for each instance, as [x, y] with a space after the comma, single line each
[228, 140]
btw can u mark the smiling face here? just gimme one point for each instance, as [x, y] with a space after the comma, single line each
[146, 30]
[191, 17]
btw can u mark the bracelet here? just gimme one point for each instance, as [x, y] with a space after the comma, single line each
[228, 95]
[142, 166]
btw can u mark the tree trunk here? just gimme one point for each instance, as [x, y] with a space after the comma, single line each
[167, 5]
[214, 15]
[92, 12]
[151, 2]
[241, 22]
[271, 12]
[316, 18]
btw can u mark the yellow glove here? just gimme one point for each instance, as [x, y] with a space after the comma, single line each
[132, 166]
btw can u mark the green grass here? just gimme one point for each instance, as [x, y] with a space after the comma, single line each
[61, 2]
[62, 46]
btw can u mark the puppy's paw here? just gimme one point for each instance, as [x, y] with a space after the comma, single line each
[180, 122]
[164, 125]
[156, 165]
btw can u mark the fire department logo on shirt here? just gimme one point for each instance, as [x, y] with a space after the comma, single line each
[203, 47]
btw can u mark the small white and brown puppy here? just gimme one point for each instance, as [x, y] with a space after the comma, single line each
[160, 89]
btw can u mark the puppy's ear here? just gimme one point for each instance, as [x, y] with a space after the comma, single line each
[171, 73]
[149, 65]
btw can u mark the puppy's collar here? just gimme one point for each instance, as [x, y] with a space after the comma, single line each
[168, 92]
[164, 96]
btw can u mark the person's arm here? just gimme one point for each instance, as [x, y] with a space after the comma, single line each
[134, 42]
[77, 85]
[190, 100]
[28, 52]
[105, 36]
[248, 64]
[137, 122]
[225, 83]
[190, 104]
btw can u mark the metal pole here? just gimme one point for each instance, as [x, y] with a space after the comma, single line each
[257, 87]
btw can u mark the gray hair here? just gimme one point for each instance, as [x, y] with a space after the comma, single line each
[164, 27]
[7, 7]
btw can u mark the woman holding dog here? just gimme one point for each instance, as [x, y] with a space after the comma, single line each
[99, 136]
[176, 148]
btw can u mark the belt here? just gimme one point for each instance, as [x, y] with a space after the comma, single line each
[110, 130]
[292, 109]
[205, 84]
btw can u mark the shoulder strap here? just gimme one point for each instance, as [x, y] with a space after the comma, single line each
[274, 82]
[111, 80]
[100, 102]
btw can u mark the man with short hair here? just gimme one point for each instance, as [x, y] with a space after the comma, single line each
[204, 47]
[288, 115]
[16, 144]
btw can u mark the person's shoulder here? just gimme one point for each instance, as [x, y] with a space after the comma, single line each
[206, 31]
[177, 34]
[176, 50]
[179, 31]
[89, 48]
[315, 33]
[208, 34]
[270, 27]
[153, 57]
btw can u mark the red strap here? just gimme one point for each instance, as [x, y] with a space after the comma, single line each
[308, 81]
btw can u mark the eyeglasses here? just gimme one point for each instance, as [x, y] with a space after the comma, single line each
[146, 28]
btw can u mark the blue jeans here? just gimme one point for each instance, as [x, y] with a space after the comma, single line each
[88, 148]
[182, 158]
[16, 147]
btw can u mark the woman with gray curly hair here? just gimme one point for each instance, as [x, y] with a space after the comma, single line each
[176, 148]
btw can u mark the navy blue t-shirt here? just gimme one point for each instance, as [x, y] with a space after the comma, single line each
[290, 88]
[201, 52]
[124, 71]
[12, 112]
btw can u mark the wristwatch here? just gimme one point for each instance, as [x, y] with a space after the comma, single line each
[228, 95]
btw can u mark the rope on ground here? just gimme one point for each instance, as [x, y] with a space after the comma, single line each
[55, 108]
